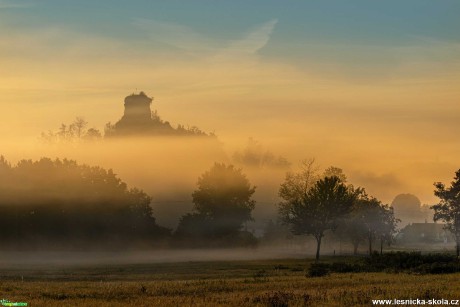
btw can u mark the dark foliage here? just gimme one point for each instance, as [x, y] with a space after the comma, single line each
[400, 261]
[369, 220]
[319, 209]
[60, 204]
[318, 269]
[448, 208]
[413, 262]
[223, 203]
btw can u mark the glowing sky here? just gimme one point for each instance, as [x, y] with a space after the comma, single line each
[372, 87]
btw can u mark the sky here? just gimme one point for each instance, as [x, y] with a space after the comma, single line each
[371, 87]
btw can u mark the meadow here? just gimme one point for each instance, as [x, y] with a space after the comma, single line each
[213, 283]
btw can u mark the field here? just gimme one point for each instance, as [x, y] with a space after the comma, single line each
[213, 283]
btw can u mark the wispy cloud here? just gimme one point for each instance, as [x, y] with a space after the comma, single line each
[189, 40]
[255, 39]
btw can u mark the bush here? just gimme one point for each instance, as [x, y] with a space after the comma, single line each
[437, 268]
[318, 270]
[413, 261]
[343, 267]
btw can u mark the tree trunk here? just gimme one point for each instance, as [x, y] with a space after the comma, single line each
[355, 248]
[318, 247]
[381, 246]
[370, 244]
[458, 245]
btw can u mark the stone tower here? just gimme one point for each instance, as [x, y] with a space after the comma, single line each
[137, 108]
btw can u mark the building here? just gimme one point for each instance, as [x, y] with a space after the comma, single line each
[137, 108]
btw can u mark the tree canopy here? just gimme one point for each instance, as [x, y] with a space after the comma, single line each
[448, 208]
[369, 220]
[319, 209]
[60, 202]
[222, 203]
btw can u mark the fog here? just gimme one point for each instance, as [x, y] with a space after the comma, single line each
[10, 259]
[301, 247]
[167, 168]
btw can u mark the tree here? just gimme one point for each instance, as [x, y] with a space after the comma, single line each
[370, 220]
[296, 185]
[78, 127]
[354, 227]
[224, 198]
[335, 171]
[408, 208]
[319, 209]
[448, 208]
[72, 133]
[65, 204]
[388, 225]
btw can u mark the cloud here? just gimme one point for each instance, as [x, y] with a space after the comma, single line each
[384, 186]
[255, 39]
[187, 39]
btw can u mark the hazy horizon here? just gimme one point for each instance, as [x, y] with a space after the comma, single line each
[365, 87]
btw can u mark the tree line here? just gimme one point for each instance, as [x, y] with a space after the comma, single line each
[79, 131]
[60, 203]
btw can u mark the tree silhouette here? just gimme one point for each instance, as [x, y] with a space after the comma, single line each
[319, 209]
[448, 209]
[369, 220]
[62, 203]
[297, 184]
[72, 133]
[222, 204]
[335, 171]
[224, 194]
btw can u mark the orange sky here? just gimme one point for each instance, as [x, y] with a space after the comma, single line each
[393, 130]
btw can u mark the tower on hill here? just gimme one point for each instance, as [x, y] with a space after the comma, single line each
[137, 120]
[137, 108]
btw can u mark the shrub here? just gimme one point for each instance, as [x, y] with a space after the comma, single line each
[402, 261]
[318, 270]
[343, 267]
[437, 268]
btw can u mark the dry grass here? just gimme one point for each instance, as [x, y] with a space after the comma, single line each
[237, 283]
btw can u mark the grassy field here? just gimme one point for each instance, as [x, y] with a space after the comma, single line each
[218, 283]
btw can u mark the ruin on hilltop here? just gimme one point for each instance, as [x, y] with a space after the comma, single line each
[139, 120]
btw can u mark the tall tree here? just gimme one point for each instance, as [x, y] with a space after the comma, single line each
[374, 220]
[368, 221]
[223, 199]
[354, 227]
[297, 184]
[448, 208]
[387, 227]
[319, 209]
